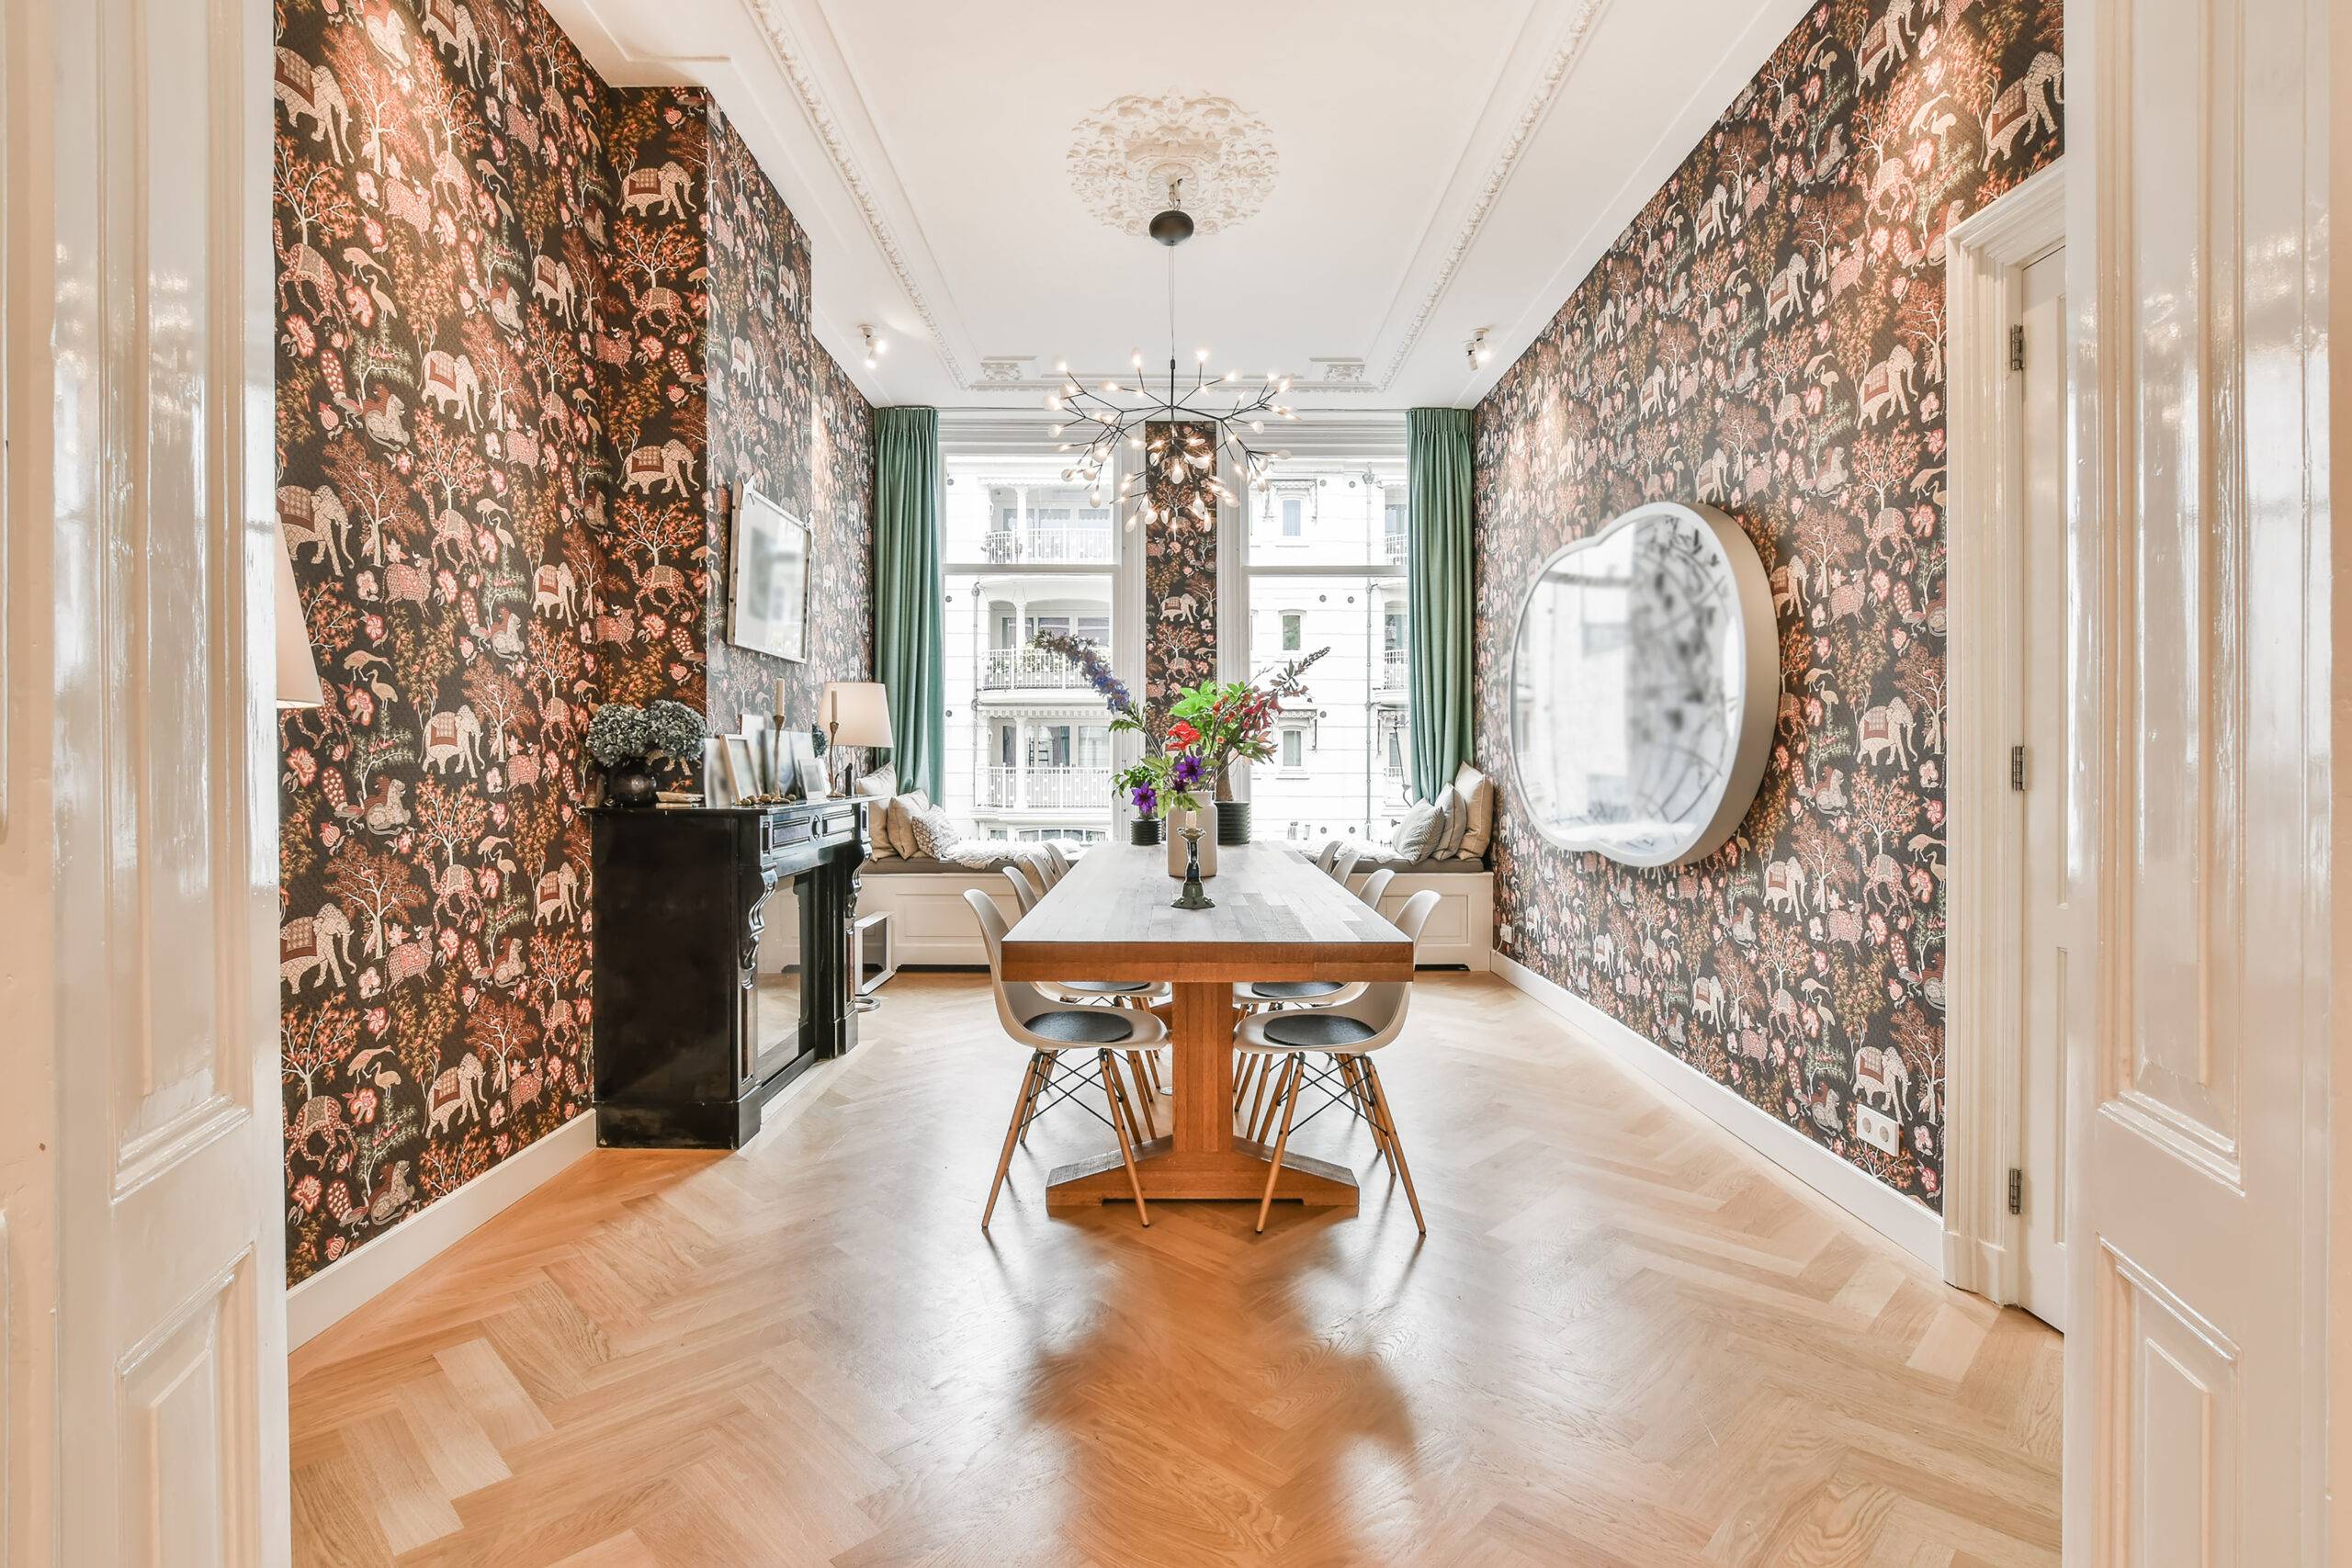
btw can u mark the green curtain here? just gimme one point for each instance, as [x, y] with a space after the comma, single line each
[1438, 594]
[909, 641]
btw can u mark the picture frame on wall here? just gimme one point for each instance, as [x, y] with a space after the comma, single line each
[767, 604]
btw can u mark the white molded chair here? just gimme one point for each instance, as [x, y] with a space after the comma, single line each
[1344, 1037]
[1344, 865]
[1326, 855]
[1118, 993]
[1320, 993]
[1051, 1030]
[1056, 865]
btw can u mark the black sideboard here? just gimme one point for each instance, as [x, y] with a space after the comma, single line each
[721, 964]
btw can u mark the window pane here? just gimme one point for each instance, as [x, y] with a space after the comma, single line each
[1028, 741]
[1331, 511]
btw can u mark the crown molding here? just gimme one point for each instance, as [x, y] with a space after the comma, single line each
[783, 44]
[1561, 64]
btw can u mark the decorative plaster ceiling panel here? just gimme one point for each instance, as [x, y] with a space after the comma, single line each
[1138, 155]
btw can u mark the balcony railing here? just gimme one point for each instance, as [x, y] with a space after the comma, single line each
[1061, 544]
[1393, 546]
[1392, 670]
[1044, 789]
[1028, 669]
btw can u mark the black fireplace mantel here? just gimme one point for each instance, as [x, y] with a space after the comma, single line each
[682, 899]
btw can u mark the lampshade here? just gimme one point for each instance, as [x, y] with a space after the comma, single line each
[856, 713]
[298, 670]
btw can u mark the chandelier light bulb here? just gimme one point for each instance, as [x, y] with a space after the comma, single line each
[1053, 401]
[1202, 355]
[1136, 359]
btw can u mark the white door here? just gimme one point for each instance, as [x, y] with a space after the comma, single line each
[2196, 1365]
[146, 1391]
[2053, 949]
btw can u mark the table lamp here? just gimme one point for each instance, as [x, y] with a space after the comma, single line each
[856, 713]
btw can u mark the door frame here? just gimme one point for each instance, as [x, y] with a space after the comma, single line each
[1985, 1047]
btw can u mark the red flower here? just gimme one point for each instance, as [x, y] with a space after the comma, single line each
[1180, 735]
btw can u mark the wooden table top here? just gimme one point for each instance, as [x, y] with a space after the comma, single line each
[1277, 918]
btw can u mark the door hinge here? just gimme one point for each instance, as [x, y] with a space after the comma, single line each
[2017, 348]
[2017, 1190]
[2016, 767]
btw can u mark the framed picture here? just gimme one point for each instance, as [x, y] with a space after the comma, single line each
[742, 767]
[754, 727]
[715, 789]
[793, 748]
[813, 783]
[767, 609]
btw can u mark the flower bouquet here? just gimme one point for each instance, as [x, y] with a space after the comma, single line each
[1220, 723]
[625, 740]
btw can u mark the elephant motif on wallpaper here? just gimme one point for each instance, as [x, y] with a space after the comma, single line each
[315, 520]
[315, 946]
[1881, 1080]
[453, 739]
[456, 1095]
[660, 189]
[669, 465]
[311, 92]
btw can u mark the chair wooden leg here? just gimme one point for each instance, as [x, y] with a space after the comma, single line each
[1293, 1078]
[1259, 1110]
[1396, 1145]
[1143, 1093]
[1039, 1080]
[1118, 1124]
[1241, 1076]
[1352, 1069]
[1013, 1132]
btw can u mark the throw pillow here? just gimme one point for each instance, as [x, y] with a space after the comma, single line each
[1417, 832]
[883, 781]
[1477, 792]
[900, 823]
[1456, 812]
[934, 831]
[878, 829]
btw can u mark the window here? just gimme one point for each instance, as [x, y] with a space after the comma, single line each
[1326, 558]
[1028, 743]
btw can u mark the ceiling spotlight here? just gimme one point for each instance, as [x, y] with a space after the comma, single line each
[875, 344]
[1476, 350]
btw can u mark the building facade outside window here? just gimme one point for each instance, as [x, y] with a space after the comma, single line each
[1028, 741]
[1325, 569]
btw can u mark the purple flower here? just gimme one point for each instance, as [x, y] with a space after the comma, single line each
[1147, 800]
[1188, 771]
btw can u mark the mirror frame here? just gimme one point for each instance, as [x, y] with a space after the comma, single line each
[1759, 644]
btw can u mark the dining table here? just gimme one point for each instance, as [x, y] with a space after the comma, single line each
[1276, 917]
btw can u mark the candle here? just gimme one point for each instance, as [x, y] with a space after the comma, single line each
[779, 696]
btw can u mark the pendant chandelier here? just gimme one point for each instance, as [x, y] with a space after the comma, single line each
[1232, 409]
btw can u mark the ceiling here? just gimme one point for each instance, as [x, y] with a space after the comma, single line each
[1416, 172]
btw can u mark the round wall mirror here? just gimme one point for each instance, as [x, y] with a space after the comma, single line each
[1645, 676]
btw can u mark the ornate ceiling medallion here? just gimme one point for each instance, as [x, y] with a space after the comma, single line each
[1126, 154]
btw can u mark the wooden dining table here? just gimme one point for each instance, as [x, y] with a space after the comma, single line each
[1277, 918]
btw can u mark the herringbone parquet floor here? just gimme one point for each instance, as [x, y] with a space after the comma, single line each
[1624, 1343]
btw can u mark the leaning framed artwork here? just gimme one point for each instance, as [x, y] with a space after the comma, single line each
[767, 609]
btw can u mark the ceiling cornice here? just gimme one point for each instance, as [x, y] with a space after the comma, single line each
[1557, 71]
[790, 59]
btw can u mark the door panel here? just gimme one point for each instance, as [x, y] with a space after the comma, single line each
[2193, 1408]
[169, 1284]
[2049, 869]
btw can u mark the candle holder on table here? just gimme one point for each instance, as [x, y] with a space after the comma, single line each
[1193, 897]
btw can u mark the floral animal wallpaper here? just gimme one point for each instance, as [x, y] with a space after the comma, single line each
[1178, 561]
[1766, 337]
[491, 305]
[438, 193]
[785, 419]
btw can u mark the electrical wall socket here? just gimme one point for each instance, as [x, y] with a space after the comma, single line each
[1504, 935]
[1876, 1130]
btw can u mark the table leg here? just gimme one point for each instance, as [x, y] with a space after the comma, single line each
[1203, 1158]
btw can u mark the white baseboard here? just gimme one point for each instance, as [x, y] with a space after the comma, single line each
[343, 1287]
[1915, 1228]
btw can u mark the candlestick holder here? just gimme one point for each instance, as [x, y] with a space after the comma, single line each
[1193, 897]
